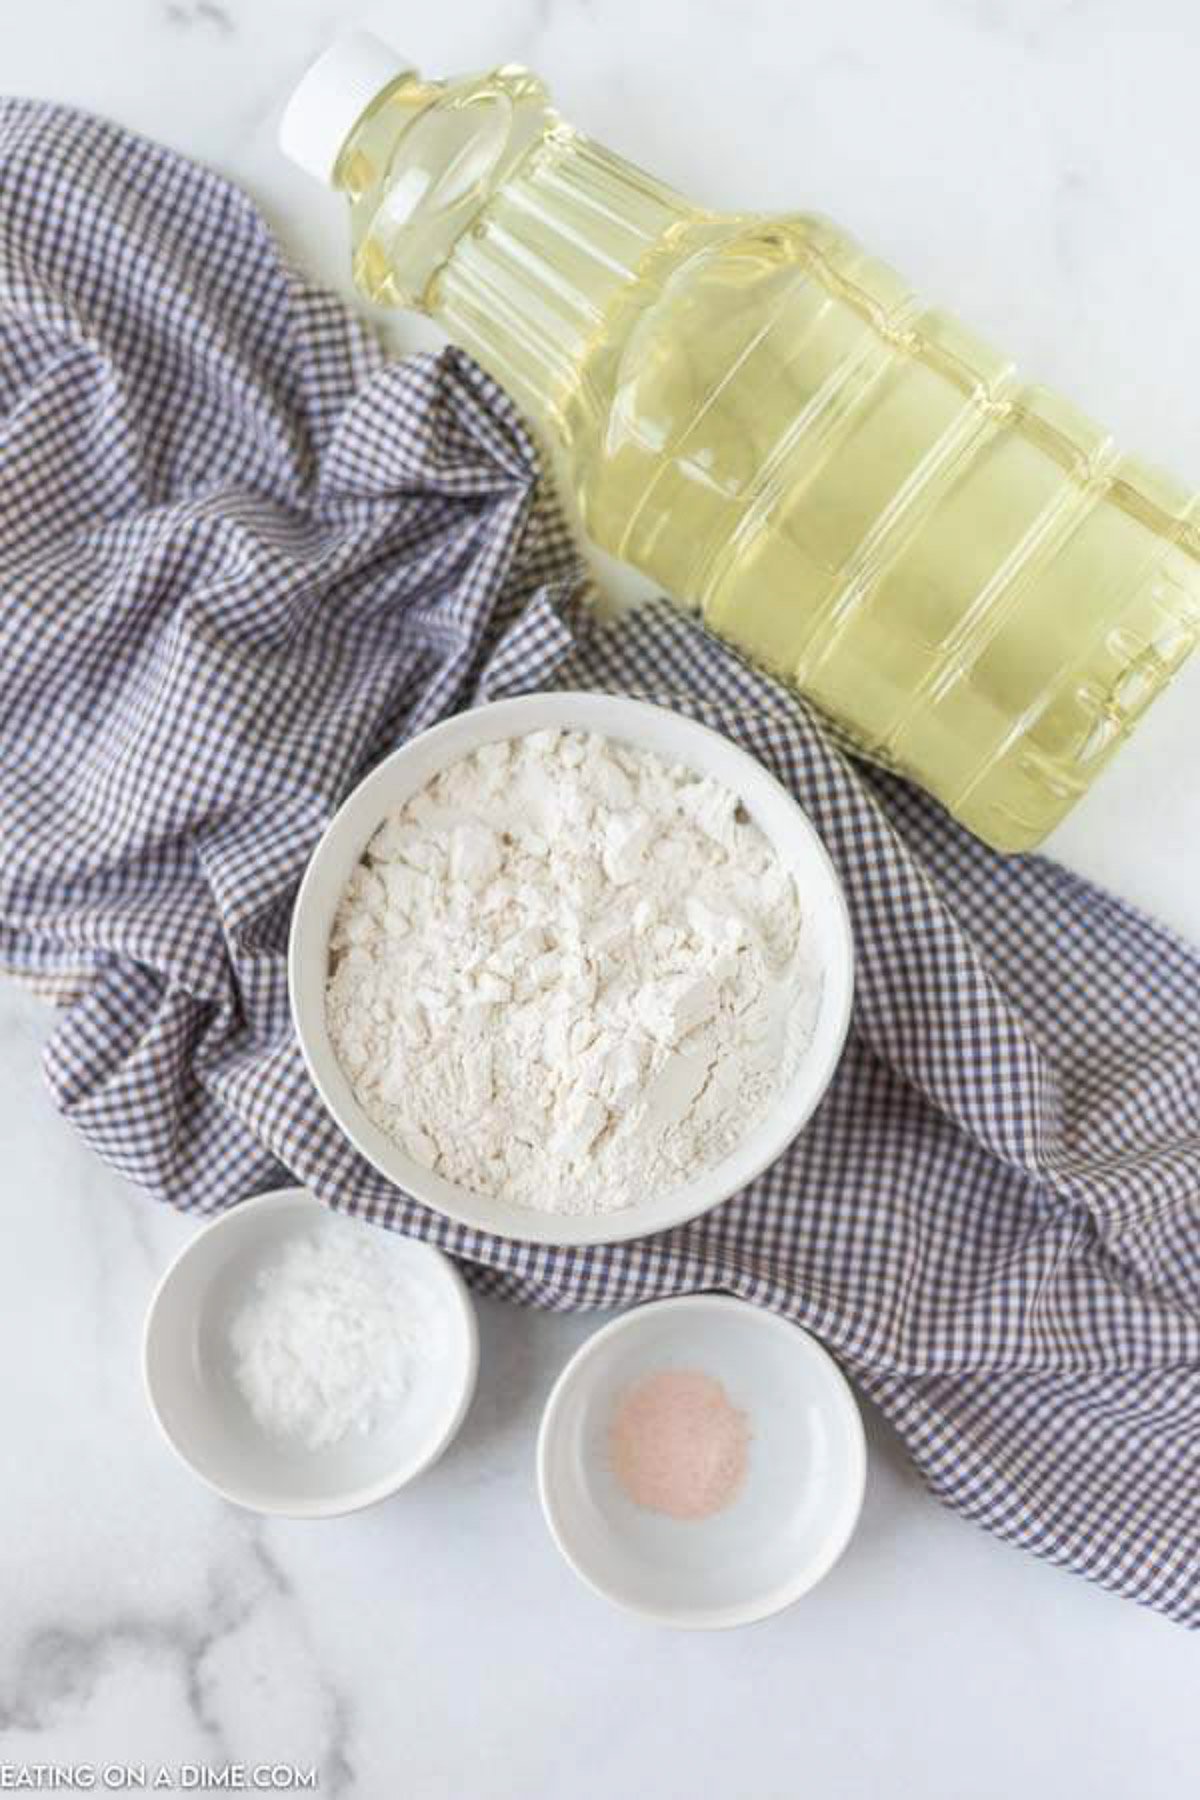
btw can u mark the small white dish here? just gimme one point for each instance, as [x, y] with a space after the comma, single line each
[188, 1369]
[799, 1502]
[679, 739]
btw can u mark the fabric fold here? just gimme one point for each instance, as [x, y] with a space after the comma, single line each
[242, 558]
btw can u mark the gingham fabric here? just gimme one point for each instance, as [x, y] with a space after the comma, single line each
[240, 558]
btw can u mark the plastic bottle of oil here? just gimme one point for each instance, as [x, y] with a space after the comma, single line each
[960, 570]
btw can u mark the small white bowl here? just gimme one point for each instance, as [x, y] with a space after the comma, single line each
[679, 740]
[188, 1369]
[796, 1509]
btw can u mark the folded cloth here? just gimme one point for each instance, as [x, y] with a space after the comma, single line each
[240, 558]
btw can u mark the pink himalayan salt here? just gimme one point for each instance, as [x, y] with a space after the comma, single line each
[678, 1445]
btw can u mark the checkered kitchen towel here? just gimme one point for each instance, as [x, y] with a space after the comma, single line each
[240, 558]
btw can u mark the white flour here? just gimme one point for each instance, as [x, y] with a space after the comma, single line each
[568, 974]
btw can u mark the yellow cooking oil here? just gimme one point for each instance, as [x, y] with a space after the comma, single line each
[959, 570]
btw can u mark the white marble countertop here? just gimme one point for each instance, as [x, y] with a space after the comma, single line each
[1031, 163]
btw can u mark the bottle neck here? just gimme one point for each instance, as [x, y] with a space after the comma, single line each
[529, 289]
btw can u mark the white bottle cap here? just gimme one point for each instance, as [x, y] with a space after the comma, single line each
[330, 99]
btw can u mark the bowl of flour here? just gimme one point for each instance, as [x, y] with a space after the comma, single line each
[571, 968]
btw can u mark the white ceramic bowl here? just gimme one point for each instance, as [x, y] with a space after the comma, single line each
[652, 728]
[193, 1395]
[797, 1507]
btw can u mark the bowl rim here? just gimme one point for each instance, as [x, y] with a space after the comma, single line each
[842, 1400]
[369, 1493]
[762, 1146]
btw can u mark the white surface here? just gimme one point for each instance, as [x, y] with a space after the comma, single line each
[437, 1647]
[674, 738]
[1031, 162]
[188, 1363]
[793, 1513]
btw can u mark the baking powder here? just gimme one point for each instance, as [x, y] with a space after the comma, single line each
[330, 1337]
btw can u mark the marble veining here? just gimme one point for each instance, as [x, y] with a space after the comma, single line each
[200, 13]
[1032, 165]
